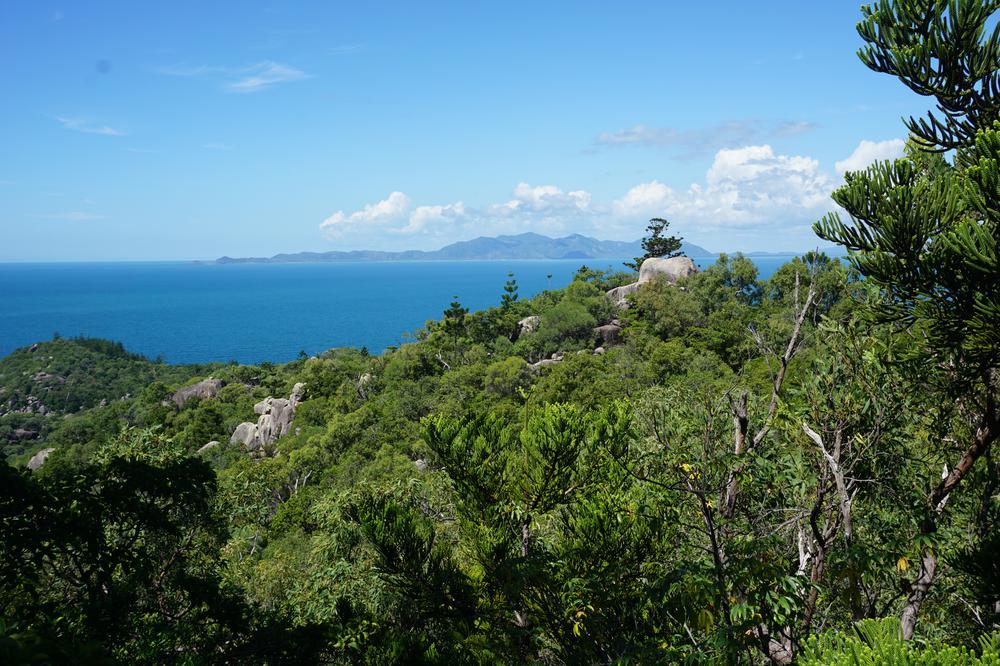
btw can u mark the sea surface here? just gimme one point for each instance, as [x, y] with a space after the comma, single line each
[185, 312]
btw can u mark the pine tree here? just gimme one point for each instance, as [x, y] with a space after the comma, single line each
[657, 244]
[454, 318]
[510, 294]
[927, 233]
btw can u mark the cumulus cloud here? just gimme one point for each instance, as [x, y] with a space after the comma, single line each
[548, 198]
[750, 197]
[434, 217]
[750, 185]
[86, 126]
[391, 209]
[531, 207]
[869, 152]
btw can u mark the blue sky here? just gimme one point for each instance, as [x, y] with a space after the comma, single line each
[188, 130]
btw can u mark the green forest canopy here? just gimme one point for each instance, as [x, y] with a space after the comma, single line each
[749, 471]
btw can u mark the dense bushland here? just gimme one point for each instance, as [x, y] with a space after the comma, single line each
[759, 471]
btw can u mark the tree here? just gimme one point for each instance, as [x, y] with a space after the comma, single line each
[929, 239]
[657, 244]
[509, 293]
[454, 318]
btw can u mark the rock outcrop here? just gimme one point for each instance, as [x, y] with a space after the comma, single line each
[208, 447]
[205, 389]
[558, 357]
[39, 459]
[276, 416]
[620, 294]
[672, 269]
[528, 325]
[609, 334]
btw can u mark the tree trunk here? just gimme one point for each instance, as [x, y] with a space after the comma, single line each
[985, 435]
[918, 592]
[521, 620]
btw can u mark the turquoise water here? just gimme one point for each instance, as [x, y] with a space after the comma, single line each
[193, 313]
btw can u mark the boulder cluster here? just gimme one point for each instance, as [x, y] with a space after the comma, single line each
[610, 334]
[275, 420]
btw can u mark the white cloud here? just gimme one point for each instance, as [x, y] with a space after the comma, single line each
[645, 199]
[869, 152]
[252, 78]
[540, 208]
[750, 185]
[749, 198]
[72, 216]
[82, 125]
[264, 75]
[438, 215]
[548, 198]
[391, 209]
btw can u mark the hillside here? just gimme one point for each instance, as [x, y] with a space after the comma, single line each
[556, 458]
[527, 246]
[42, 383]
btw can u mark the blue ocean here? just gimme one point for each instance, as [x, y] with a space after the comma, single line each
[184, 312]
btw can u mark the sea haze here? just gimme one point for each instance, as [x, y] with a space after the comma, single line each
[194, 313]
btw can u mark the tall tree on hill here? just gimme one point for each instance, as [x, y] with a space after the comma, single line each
[657, 243]
[929, 238]
[510, 294]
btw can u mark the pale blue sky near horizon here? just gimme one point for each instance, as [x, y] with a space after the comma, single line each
[190, 130]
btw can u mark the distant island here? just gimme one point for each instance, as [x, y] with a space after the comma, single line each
[524, 246]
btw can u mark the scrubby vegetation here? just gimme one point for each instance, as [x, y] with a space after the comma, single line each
[757, 471]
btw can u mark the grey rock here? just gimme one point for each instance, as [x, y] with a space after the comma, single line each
[599, 350]
[205, 389]
[298, 392]
[528, 325]
[245, 434]
[620, 294]
[610, 334]
[545, 363]
[363, 382]
[275, 421]
[39, 459]
[48, 377]
[673, 269]
[208, 447]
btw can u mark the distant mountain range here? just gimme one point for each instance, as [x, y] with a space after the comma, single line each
[521, 246]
